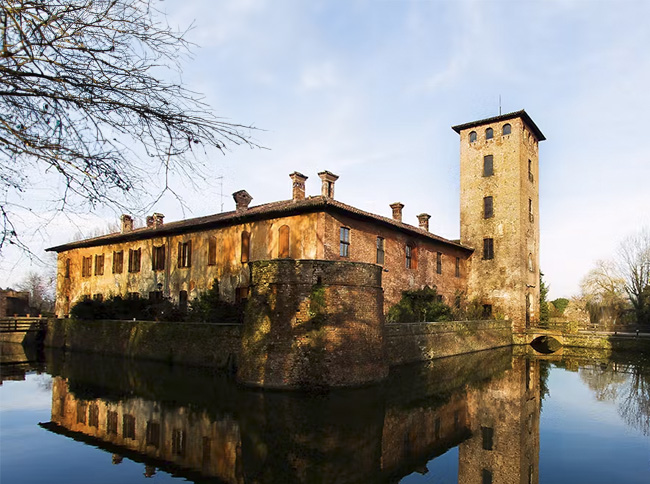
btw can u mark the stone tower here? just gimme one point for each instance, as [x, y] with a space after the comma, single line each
[499, 214]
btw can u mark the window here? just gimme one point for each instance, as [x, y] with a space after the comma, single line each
[118, 261]
[179, 439]
[81, 412]
[439, 262]
[457, 273]
[487, 433]
[158, 258]
[111, 423]
[488, 207]
[134, 260]
[182, 301]
[153, 433]
[86, 266]
[487, 310]
[488, 249]
[241, 294]
[67, 269]
[344, 247]
[530, 210]
[93, 415]
[436, 427]
[98, 297]
[489, 133]
[380, 250]
[212, 251]
[472, 137]
[488, 165]
[486, 476]
[531, 267]
[128, 427]
[411, 262]
[530, 171]
[99, 265]
[506, 129]
[283, 243]
[185, 254]
[245, 246]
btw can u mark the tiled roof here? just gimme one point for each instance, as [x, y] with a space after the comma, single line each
[504, 117]
[260, 212]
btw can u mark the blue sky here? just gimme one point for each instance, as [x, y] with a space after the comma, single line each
[369, 90]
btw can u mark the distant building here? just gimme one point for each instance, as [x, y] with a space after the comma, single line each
[496, 260]
[14, 303]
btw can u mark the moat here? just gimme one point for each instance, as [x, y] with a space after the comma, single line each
[496, 416]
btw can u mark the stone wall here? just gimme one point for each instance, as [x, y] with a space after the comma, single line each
[412, 342]
[313, 323]
[215, 345]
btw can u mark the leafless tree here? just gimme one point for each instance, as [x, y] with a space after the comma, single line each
[83, 95]
[41, 290]
[634, 267]
[603, 292]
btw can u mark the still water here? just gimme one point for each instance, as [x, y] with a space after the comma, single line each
[488, 417]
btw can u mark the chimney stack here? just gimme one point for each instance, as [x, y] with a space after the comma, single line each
[397, 210]
[242, 200]
[157, 220]
[423, 218]
[127, 223]
[328, 178]
[298, 180]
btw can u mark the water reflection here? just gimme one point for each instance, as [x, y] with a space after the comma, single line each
[200, 426]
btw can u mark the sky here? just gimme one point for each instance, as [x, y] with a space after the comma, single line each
[369, 90]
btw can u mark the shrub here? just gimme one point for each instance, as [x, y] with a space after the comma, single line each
[420, 305]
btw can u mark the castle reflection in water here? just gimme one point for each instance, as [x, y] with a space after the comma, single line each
[205, 428]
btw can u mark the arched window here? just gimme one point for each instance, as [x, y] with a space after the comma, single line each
[506, 129]
[245, 246]
[283, 243]
[472, 137]
[489, 133]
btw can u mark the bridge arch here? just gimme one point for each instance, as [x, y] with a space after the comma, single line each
[545, 344]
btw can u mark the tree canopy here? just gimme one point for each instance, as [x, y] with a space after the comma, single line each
[85, 94]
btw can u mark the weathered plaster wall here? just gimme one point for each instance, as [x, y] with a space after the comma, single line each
[412, 342]
[229, 269]
[396, 277]
[215, 345]
[313, 323]
[504, 281]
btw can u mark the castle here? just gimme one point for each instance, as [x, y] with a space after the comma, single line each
[496, 260]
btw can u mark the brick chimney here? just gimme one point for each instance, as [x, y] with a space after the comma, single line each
[157, 220]
[423, 219]
[397, 210]
[298, 180]
[127, 223]
[328, 178]
[242, 200]
[149, 221]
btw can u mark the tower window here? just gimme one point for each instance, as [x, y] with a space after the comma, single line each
[488, 249]
[67, 269]
[489, 133]
[380, 250]
[488, 207]
[530, 210]
[472, 137]
[439, 262]
[506, 129]
[344, 246]
[488, 165]
[487, 434]
[531, 266]
[530, 171]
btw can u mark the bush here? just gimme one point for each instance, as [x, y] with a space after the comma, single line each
[118, 308]
[419, 305]
[210, 308]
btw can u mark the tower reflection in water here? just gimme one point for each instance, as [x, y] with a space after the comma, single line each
[205, 428]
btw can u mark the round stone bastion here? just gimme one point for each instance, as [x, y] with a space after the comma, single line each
[313, 324]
